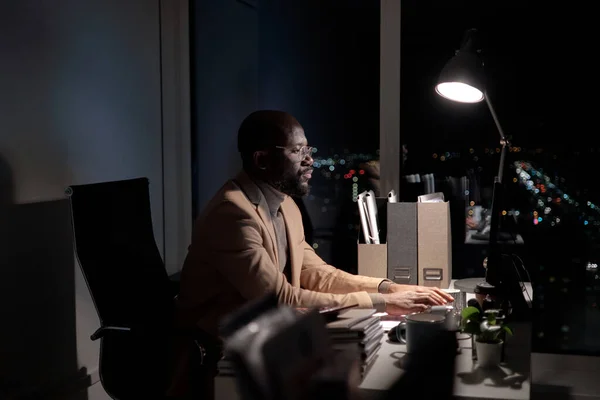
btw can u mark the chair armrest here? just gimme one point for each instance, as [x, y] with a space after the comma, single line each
[210, 349]
[100, 332]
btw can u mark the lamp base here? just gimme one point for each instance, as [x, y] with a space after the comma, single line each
[505, 293]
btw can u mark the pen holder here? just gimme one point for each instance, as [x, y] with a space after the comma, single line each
[372, 258]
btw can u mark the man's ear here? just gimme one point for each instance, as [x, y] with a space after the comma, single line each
[260, 159]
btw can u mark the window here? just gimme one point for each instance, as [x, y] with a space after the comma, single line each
[552, 195]
[319, 60]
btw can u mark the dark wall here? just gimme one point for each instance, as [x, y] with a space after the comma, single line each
[80, 102]
[224, 72]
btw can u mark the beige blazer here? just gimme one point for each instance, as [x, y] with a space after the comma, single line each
[233, 258]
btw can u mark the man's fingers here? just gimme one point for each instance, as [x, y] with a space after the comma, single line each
[428, 298]
[441, 296]
[445, 295]
[439, 300]
[421, 307]
[435, 300]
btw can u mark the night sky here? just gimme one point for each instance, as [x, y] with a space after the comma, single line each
[537, 62]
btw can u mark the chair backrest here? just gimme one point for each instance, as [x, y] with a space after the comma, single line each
[117, 252]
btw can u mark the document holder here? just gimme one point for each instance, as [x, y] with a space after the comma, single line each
[402, 239]
[434, 244]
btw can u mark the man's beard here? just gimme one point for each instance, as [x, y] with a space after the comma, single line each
[294, 186]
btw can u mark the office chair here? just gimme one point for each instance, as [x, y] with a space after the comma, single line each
[130, 288]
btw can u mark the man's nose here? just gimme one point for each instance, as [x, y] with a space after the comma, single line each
[308, 160]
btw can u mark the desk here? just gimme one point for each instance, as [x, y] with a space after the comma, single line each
[508, 381]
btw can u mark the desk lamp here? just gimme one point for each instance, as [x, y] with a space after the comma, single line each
[463, 80]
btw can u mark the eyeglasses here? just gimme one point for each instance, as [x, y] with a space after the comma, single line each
[300, 152]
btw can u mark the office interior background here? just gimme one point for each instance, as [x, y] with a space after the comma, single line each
[104, 90]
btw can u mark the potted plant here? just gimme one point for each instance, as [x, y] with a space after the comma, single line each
[487, 328]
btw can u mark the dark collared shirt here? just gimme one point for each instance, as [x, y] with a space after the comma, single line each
[274, 199]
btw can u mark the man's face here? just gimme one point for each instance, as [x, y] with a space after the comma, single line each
[291, 163]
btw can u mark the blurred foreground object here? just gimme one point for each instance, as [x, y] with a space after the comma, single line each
[429, 374]
[279, 353]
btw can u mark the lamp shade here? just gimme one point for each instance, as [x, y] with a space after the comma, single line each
[462, 79]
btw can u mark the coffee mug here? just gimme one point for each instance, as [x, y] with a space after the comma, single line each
[418, 327]
[452, 317]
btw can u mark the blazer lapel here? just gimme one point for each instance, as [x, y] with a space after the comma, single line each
[263, 212]
[295, 253]
[254, 194]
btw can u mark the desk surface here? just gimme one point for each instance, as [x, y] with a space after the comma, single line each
[508, 381]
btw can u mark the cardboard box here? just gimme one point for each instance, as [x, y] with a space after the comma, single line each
[434, 244]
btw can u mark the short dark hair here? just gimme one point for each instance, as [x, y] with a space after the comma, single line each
[262, 129]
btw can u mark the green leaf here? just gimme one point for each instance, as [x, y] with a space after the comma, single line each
[491, 319]
[471, 327]
[497, 334]
[470, 313]
[507, 330]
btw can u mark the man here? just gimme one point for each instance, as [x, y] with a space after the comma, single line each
[249, 241]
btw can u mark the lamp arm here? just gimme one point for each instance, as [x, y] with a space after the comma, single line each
[503, 140]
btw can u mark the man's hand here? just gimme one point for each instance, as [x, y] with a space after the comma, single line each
[437, 296]
[407, 302]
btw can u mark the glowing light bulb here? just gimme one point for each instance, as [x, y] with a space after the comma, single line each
[458, 91]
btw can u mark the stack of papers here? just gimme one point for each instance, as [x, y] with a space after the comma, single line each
[357, 332]
[226, 367]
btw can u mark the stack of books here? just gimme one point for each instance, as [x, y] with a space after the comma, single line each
[357, 331]
[226, 367]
